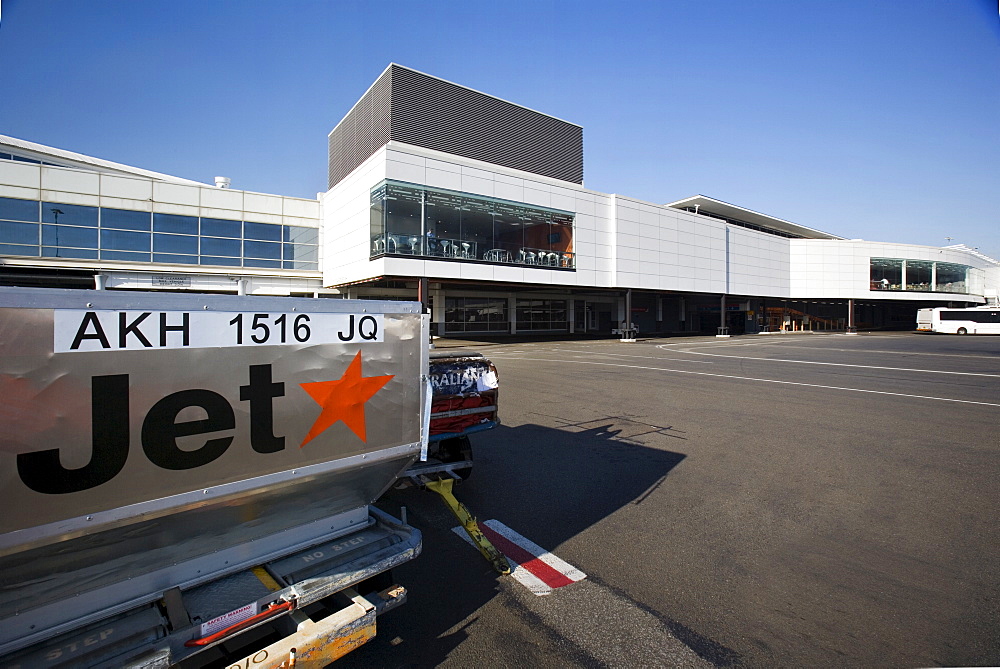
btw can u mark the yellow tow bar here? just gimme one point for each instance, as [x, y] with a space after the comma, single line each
[443, 487]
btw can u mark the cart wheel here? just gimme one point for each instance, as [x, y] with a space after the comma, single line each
[458, 449]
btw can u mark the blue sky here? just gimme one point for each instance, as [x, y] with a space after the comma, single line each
[875, 119]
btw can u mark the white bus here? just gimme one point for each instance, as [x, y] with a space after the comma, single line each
[975, 320]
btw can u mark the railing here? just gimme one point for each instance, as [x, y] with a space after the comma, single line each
[438, 247]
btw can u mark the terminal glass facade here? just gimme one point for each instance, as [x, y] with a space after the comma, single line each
[918, 275]
[55, 230]
[410, 220]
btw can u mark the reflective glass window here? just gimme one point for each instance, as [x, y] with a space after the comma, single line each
[67, 235]
[125, 241]
[951, 278]
[919, 274]
[19, 210]
[130, 256]
[300, 264]
[25, 159]
[18, 233]
[175, 259]
[175, 244]
[476, 314]
[69, 214]
[262, 231]
[261, 250]
[299, 252]
[220, 227]
[58, 252]
[126, 219]
[410, 220]
[14, 250]
[253, 262]
[541, 315]
[228, 262]
[183, 225]
[300, 235]
[221, 247]
[886, 274]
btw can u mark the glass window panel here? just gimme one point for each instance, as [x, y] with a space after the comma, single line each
[262, 231]
[183, 225]
[25, 159]
[65, 235]
[69, 214]
[919, 274]
[228, 262]
[124, 241]
[19, 210]
[886, 274]
[18, 233]
[126, 219]
[951, 278]
[300, 252]
[221, 247]
[300, 235]
[124, 255]
[299, 264]
[220, 227]
[54, 252]
[175, 244]
[14, 250]
[261, 250]
[176, 259]
[252, 262]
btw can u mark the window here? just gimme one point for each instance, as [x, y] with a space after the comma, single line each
[124, 219]
[218, 227]
[542, 315]
[476, 314]
[434, 223]
[75, 231]
[918, 275]
[13, 209]
[18, 233]
[182, 225]
[69, 214]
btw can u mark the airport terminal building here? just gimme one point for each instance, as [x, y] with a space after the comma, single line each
[476, 206]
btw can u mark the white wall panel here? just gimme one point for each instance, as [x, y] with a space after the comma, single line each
[72, 181]
[176, 194]
[19, 192]
[125, 187]
[70, 198]
[20, 174]
[221, 198]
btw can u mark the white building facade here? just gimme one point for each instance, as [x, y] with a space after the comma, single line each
[494, 231]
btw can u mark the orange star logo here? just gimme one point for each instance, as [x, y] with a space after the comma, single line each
[344, 400]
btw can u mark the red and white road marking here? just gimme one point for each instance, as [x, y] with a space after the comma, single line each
[531, 565]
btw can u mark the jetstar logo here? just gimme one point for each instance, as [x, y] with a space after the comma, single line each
[342, 400]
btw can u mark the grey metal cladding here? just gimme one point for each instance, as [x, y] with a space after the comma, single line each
[407, 106]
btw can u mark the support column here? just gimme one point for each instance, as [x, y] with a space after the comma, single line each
[723, 328]
[851, 329]
[512, 310]
[628, 330]
[571, 314]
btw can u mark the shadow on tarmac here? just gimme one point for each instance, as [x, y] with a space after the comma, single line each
[547, 484]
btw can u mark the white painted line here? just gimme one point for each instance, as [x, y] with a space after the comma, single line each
[531, 565]
[625, 355]
[841, 364]
[554, 561]
[750, 378]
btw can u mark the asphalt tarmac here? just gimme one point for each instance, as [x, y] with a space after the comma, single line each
[759, 501]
